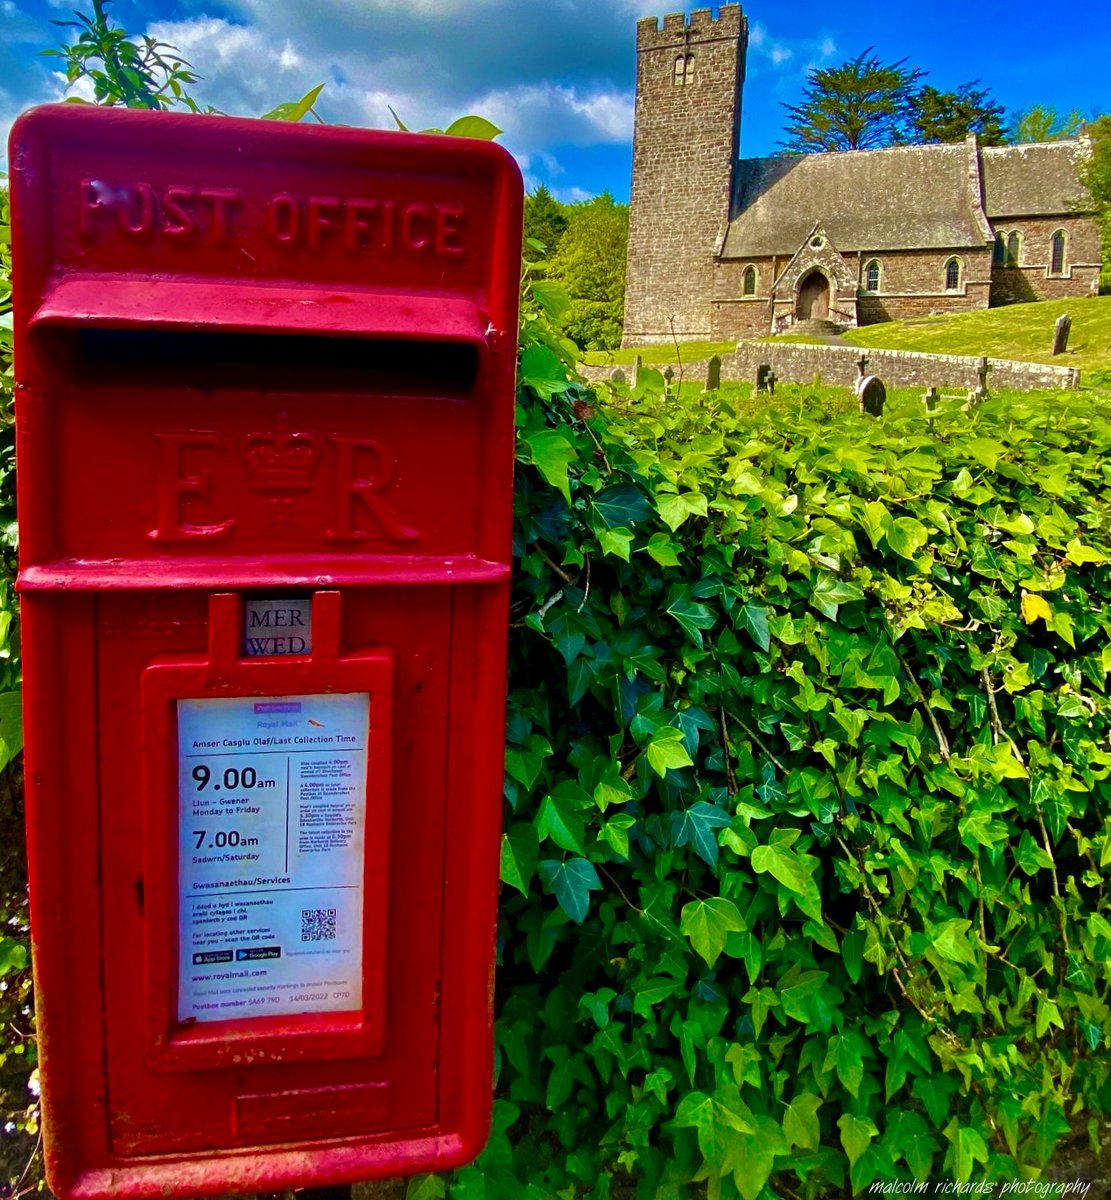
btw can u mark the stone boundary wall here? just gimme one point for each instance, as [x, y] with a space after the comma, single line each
[836, 365]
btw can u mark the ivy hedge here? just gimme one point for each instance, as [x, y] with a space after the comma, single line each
[807, 803]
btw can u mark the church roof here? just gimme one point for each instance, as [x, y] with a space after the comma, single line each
[1038, 178]
[918, 197]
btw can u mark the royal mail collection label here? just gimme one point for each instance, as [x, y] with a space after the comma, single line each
[272, 819]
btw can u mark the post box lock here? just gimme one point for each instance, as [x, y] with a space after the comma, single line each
[265, 445]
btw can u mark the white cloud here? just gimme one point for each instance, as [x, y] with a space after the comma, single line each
[535, 115]
[572, 195]
[780, 54]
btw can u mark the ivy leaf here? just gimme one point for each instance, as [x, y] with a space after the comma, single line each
[571, 883]
[909, 1136]
[952, 942]
[754, 1156]
[713, 1117]
[667, 751]
[1035, 608]
[13, 955]
[692, 616]
[524, 763]
[550, 451]
[800, 1121]
[754, 618]
[663, 550]
[676, 509]
[845, 1054]
[906, 536]
[11, 726]
[622, 507]
[966, 1148]
[520, 849]
[695, 826]
[786, 867]
[707, 923]
[426, 1187]
[559, 820]
[936, 1092]
[856, 1134]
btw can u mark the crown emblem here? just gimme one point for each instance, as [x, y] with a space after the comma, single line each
[281, 462]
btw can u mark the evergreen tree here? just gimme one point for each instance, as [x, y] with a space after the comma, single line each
[545, 220]
[863, 104]
[952, 116]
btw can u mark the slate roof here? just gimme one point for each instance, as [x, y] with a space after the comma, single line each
[1039, 178]
[902, 198]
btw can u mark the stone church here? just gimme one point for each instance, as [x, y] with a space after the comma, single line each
[722, 247]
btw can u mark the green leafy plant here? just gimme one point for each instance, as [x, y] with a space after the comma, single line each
[148, 75]
[807, 801]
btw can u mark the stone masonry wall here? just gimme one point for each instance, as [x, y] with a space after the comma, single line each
[912, 283]
[837, 365]
[797, 363]
[1031, 279]
[685, 144]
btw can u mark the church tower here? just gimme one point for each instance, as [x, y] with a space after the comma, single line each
[685, 147]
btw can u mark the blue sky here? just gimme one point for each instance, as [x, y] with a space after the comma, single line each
[557, 75]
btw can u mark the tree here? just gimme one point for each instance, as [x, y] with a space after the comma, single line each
[863, 104]
[545, 219]
[952, 116]
[590, 263]
[1043, 123]
[1097, 178]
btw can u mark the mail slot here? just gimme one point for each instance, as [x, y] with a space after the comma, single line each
[265, 406]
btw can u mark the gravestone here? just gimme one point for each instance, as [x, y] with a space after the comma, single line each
[713, 374]
[861, 366]
[1061, 328]
[669, 375]
[617, 375]
[872, 394]
[980, 392]
[772, 377]
[637, 364]
[930, 399]
[763, 374]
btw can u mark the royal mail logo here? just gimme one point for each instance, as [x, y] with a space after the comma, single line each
[278, 465]
[281, 462]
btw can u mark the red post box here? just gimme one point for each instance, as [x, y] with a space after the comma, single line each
[265, 417]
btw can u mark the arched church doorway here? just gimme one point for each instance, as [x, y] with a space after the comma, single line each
[813, 301]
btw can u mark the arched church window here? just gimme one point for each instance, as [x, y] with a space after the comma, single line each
[1057, 256]
[872, 276]
[748, 282]
[1014, 248]
[953, 275]
[683, 71]
[999, 251]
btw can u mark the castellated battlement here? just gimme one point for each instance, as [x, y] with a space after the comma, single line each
[678, 29]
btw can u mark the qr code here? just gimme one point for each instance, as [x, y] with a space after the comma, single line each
[318, 924]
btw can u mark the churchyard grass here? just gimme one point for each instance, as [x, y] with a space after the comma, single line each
[1018, 331]
[659, 355]
[1023, 332]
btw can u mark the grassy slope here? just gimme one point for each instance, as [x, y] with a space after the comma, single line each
[1019, 331]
